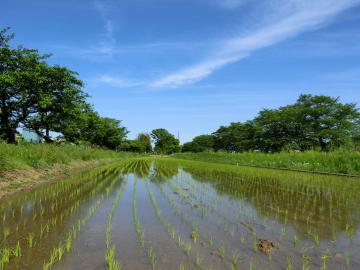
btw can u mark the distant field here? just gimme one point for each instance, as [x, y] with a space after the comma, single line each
[331, 162]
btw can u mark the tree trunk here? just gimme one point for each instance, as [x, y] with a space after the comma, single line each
[322, 145]
[9, 135]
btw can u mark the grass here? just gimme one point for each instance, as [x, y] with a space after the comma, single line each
[24, 156]
[345, 162]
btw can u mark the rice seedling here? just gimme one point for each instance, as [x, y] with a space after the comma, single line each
[198, 261]
[324, 259]
[295, 240]
[4, 257]
[17, 250]
[222, 251]
[347, 259]
[111, 263]
[68, 242]
[6, 233]
[138, 228]
[30, 240]
[152, 257]
[305, 262]
[188, 248]
[289, 263]
[235, 258]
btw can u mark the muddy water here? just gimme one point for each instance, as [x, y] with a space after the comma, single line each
[168, 214]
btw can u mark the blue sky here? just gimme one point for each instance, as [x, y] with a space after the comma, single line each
[192, 65]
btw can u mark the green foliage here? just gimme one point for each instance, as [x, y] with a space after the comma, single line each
[165, 143]
[313, 122]
[22, 73]
[46, 99]
[102, 131]
[141, 145]
[237, 137]
[200, 143]
[59, 103]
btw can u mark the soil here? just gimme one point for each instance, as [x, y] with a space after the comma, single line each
[17, 180]
[266, 246]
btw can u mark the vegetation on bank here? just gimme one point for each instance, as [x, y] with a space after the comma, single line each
[26, 155]
[341, 161]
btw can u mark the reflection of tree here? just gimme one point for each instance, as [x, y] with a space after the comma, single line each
[321, 203]
[141, 168]
[164, 170]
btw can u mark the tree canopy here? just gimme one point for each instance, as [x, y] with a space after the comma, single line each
[165, 142]
[48, 98]
[313, 122]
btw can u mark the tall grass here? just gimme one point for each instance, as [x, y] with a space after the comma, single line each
[346, 162]
[23, 156]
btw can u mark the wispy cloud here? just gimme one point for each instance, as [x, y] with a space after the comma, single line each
[230, 4]
[107, 46]
[301, 16]
[349, 76]
[113, 82]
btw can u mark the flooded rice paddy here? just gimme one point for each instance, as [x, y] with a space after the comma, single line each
[169, 214]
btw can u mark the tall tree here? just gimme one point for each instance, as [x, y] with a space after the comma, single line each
[200, 143]
[22, 72]
[325, 120]
[165, 142]
[145, 139]
[102, 131]
[237, 137]
[60, 102]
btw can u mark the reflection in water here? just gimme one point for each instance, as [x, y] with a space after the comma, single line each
[311, 220]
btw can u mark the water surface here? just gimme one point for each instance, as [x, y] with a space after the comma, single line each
[169, 214]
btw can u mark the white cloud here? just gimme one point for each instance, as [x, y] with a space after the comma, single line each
[302, 16]
[114, 82]
[107, 46]
[230, 4]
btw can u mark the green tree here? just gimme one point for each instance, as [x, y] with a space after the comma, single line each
[22, 72]
[60, 102]
[145, 139]
[132, 146]
[200, 143]
[102, 131]
[326, 121]
[165, 142]
[237, 137]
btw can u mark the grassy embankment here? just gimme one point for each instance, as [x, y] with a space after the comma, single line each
[342, 162]
[26, 165]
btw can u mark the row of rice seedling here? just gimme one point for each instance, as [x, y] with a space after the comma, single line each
[151, 254]
[39, 235]
[111, 262]
[73, 232]
[175, 236]
[231, 259]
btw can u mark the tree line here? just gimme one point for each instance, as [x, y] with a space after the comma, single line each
[313, 122]
[48, 98]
